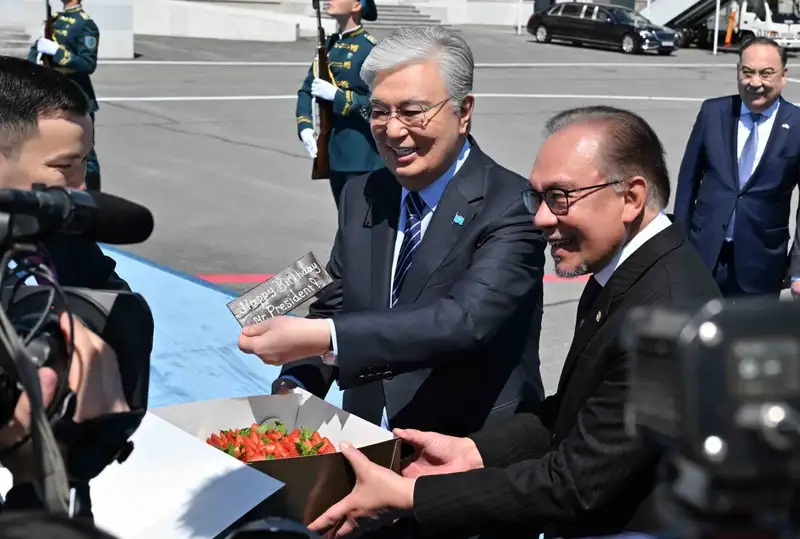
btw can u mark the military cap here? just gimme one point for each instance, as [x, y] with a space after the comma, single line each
[368, 10]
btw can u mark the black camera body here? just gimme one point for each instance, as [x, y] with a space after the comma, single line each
[719, 390]
[121, 318]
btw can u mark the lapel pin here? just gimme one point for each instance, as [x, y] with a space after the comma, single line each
[458, 219]
[597, 318]
[785, 126]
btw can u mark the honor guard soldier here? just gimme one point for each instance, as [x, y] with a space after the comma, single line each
[72, 50]
[351, 147]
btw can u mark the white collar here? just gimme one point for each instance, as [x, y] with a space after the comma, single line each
[348, 32]
[655, 226]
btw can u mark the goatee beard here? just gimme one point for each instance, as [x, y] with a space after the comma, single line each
[571, 273]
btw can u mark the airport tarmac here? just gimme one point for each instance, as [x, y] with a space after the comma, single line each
[203, 132]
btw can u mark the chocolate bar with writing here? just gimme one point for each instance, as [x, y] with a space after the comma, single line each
[282, 293]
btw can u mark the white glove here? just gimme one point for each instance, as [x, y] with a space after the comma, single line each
[309, 141]
[323, 90]
[46, 46]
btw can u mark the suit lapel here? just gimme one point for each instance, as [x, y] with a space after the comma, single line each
[777, 137]
[621, 281]
[383, 195]
[730, 132]
[453, 215]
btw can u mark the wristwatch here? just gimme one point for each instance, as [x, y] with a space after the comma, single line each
[329, 358]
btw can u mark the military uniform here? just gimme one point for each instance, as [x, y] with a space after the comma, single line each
[77, 37]
[351, 147]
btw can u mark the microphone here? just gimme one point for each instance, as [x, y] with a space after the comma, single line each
[102, 217]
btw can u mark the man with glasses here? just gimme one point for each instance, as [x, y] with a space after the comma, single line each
[741, 164]
[568, 468]
[433, 318]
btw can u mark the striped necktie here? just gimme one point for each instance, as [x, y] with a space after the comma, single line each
[412, 236]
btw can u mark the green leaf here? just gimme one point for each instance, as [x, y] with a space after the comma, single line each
[305, 434]
[263, 429]
[277, 426]
[303, 448]
[315, 449]
[270, 457]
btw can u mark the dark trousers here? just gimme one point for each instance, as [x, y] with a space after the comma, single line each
[725, 275]
[338, 179]
[92, 166]
[725, 272]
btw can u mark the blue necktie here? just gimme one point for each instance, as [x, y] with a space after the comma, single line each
[747, 163]
[412, 237]
[748, 157]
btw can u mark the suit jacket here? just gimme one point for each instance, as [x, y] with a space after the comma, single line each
[80, 263]
[460, 347]
[708, 192]
[568, 468]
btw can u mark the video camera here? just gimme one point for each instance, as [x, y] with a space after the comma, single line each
[719, 390]
[31, 337]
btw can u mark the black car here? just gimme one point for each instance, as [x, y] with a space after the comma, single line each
[604, 25]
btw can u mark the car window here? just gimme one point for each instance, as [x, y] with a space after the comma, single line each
[602, 15]
[572, 10]
[555, 10]
[589, 12]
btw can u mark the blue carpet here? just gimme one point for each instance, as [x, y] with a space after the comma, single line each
[195, 354]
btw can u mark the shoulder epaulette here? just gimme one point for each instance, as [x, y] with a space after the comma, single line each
[370, 38]
[85, 15]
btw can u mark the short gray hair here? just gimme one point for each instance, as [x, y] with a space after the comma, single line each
[631, 148]
[413, 44]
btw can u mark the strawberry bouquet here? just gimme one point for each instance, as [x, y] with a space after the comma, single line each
[270, 442]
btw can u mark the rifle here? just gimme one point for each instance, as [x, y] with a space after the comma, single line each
[48, 33]
[321, 169]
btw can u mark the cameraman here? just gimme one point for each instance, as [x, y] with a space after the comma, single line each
[46, 135]
[95, 379]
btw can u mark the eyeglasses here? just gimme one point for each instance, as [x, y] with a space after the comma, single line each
[557, 199]
[411, 115]
[767, 74]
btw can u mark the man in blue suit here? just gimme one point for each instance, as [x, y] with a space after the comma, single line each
[735, 185]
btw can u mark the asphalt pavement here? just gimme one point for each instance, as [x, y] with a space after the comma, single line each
[203, 133]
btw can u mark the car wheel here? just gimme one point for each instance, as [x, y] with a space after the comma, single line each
[629, 45]
[542, 35]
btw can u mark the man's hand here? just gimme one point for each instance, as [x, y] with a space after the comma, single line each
[322, 89]
[94, 378]
[94, 374]
[47, 46]
[438, 454]
[284, 339]
[309, 142]
[796, 290]
[379, 498]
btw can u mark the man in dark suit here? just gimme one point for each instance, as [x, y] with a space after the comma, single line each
[433, 319]
[741, 164]
[568, 468]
